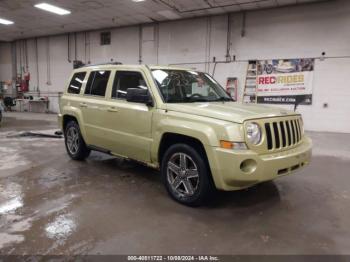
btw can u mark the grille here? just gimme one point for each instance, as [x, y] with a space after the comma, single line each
[283, 133]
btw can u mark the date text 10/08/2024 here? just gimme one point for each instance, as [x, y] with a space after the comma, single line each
[173, 258]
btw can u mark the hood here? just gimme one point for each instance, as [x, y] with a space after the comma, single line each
[228, 111]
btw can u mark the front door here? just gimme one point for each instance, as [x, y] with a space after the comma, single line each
[129, 124]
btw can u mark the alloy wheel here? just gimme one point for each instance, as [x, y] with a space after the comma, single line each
[73, 140]
[182, 175]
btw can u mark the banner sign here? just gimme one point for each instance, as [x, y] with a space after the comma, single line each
[285, 81]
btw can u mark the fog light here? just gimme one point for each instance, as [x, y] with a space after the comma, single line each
[248, 166]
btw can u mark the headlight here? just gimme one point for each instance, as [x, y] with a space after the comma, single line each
[253, 133]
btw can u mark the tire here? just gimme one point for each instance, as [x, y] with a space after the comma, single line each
[75, 144]
[186, 175]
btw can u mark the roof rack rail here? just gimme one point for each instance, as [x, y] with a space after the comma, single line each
[79, 64]
[108, 63]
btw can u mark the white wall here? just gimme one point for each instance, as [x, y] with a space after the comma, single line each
[306, 31]
[289, 32]
[5, 62]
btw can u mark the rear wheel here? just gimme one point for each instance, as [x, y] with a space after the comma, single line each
[186, 175]
[75, 144]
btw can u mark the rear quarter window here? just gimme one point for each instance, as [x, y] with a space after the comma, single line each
[76, 83]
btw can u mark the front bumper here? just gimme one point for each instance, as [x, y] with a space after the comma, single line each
[229, 173]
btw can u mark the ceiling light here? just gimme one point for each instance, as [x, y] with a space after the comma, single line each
[53, 9]
[138, 1]
[5, 22]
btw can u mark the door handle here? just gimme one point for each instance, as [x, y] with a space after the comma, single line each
[112, 109]
[83, 105]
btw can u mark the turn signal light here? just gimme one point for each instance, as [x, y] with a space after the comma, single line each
[232, 145]
[226, 144]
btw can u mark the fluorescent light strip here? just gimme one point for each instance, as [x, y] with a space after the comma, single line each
[53, 9]
[5, 22]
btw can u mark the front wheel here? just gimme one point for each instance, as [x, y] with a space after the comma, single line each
[75, 145]
[186, 175]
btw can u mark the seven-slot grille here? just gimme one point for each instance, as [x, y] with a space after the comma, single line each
[283, 133]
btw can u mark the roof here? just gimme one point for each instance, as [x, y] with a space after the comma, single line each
[136, 66]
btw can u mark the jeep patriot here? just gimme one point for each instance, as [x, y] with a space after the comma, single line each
[183, 123]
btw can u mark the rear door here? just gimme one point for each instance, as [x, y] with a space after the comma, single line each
[93, 107]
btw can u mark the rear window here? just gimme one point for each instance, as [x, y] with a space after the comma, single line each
[97, 83]
[76, 83]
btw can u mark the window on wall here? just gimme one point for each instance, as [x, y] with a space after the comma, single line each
[124, 80]
[97, 83]
[105, 38]
[76, 83]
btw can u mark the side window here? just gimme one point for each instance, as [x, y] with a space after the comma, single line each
[97, 83]
[124, 80]
[76, 83]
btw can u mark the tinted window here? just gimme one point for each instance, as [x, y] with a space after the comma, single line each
[97, 83]
[76, 83]
[124, 80]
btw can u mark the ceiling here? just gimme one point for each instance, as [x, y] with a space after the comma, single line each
[98, 14]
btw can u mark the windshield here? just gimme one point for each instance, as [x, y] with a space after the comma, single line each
[180, 86]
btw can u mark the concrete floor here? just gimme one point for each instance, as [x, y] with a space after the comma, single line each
[50, 204]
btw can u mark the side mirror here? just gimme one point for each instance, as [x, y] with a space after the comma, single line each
[139, 95]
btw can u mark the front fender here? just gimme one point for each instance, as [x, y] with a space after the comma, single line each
[209, 134]
[204, 133]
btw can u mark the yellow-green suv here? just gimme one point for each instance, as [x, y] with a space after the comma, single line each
[183, 123]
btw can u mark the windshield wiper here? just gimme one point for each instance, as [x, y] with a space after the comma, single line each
[224, 99]
[198, 100]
